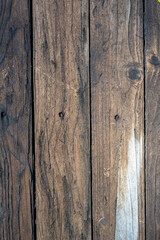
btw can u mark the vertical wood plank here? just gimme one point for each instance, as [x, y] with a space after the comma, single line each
[16, 194]
[117, 119]
[152, 106]
[61, 59]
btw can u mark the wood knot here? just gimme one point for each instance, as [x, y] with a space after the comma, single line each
[134, 74]
[102, 221]
[154, 61]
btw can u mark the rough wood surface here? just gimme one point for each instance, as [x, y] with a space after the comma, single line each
[117, 119]
[152, 106]
[16, 212]
[61, 59]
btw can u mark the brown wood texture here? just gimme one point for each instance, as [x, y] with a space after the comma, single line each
[152, 107]
[95, 131]
[62, 146]
[117, 103]
[16, 192]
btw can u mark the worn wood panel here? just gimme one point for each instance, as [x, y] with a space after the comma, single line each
[152, 106]
[16, 195]
[62, 148]
[117, 103]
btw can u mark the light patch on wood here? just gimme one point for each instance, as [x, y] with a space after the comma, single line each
[127, 192]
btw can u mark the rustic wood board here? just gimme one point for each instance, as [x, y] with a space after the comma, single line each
[16, 192]
[117, 104]
[152, 107]
[62, 146]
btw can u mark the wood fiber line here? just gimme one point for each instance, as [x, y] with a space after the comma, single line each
[61, 70]
[117, 103]
[16, 192]
[152, 106]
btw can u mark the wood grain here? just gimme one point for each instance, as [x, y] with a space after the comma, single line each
[117, 103]
[152, 106]
[61, 63]
[16, 192]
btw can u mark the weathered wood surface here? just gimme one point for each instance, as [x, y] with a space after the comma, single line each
[61, 63]
[64, 34]
[117, 103]
[152, 106]
[16, 196]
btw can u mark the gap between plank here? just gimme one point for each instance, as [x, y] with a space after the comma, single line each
[90, 110]
[144, 76]
[33, 123]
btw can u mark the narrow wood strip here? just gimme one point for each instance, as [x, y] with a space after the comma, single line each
[117, 119]
[152, 106]
[61, 58]
[16, 192]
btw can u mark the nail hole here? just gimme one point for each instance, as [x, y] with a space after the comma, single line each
[61, 115]
[117, 117]
[3, 114]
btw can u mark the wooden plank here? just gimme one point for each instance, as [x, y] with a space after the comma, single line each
[16, 211]
[152, 106]
[61, 59]
[117, 119]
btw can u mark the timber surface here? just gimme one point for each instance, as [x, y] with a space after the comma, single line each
[16, 192]
[117, 119]
[152, 114]
[79, 120]
[62, 145]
